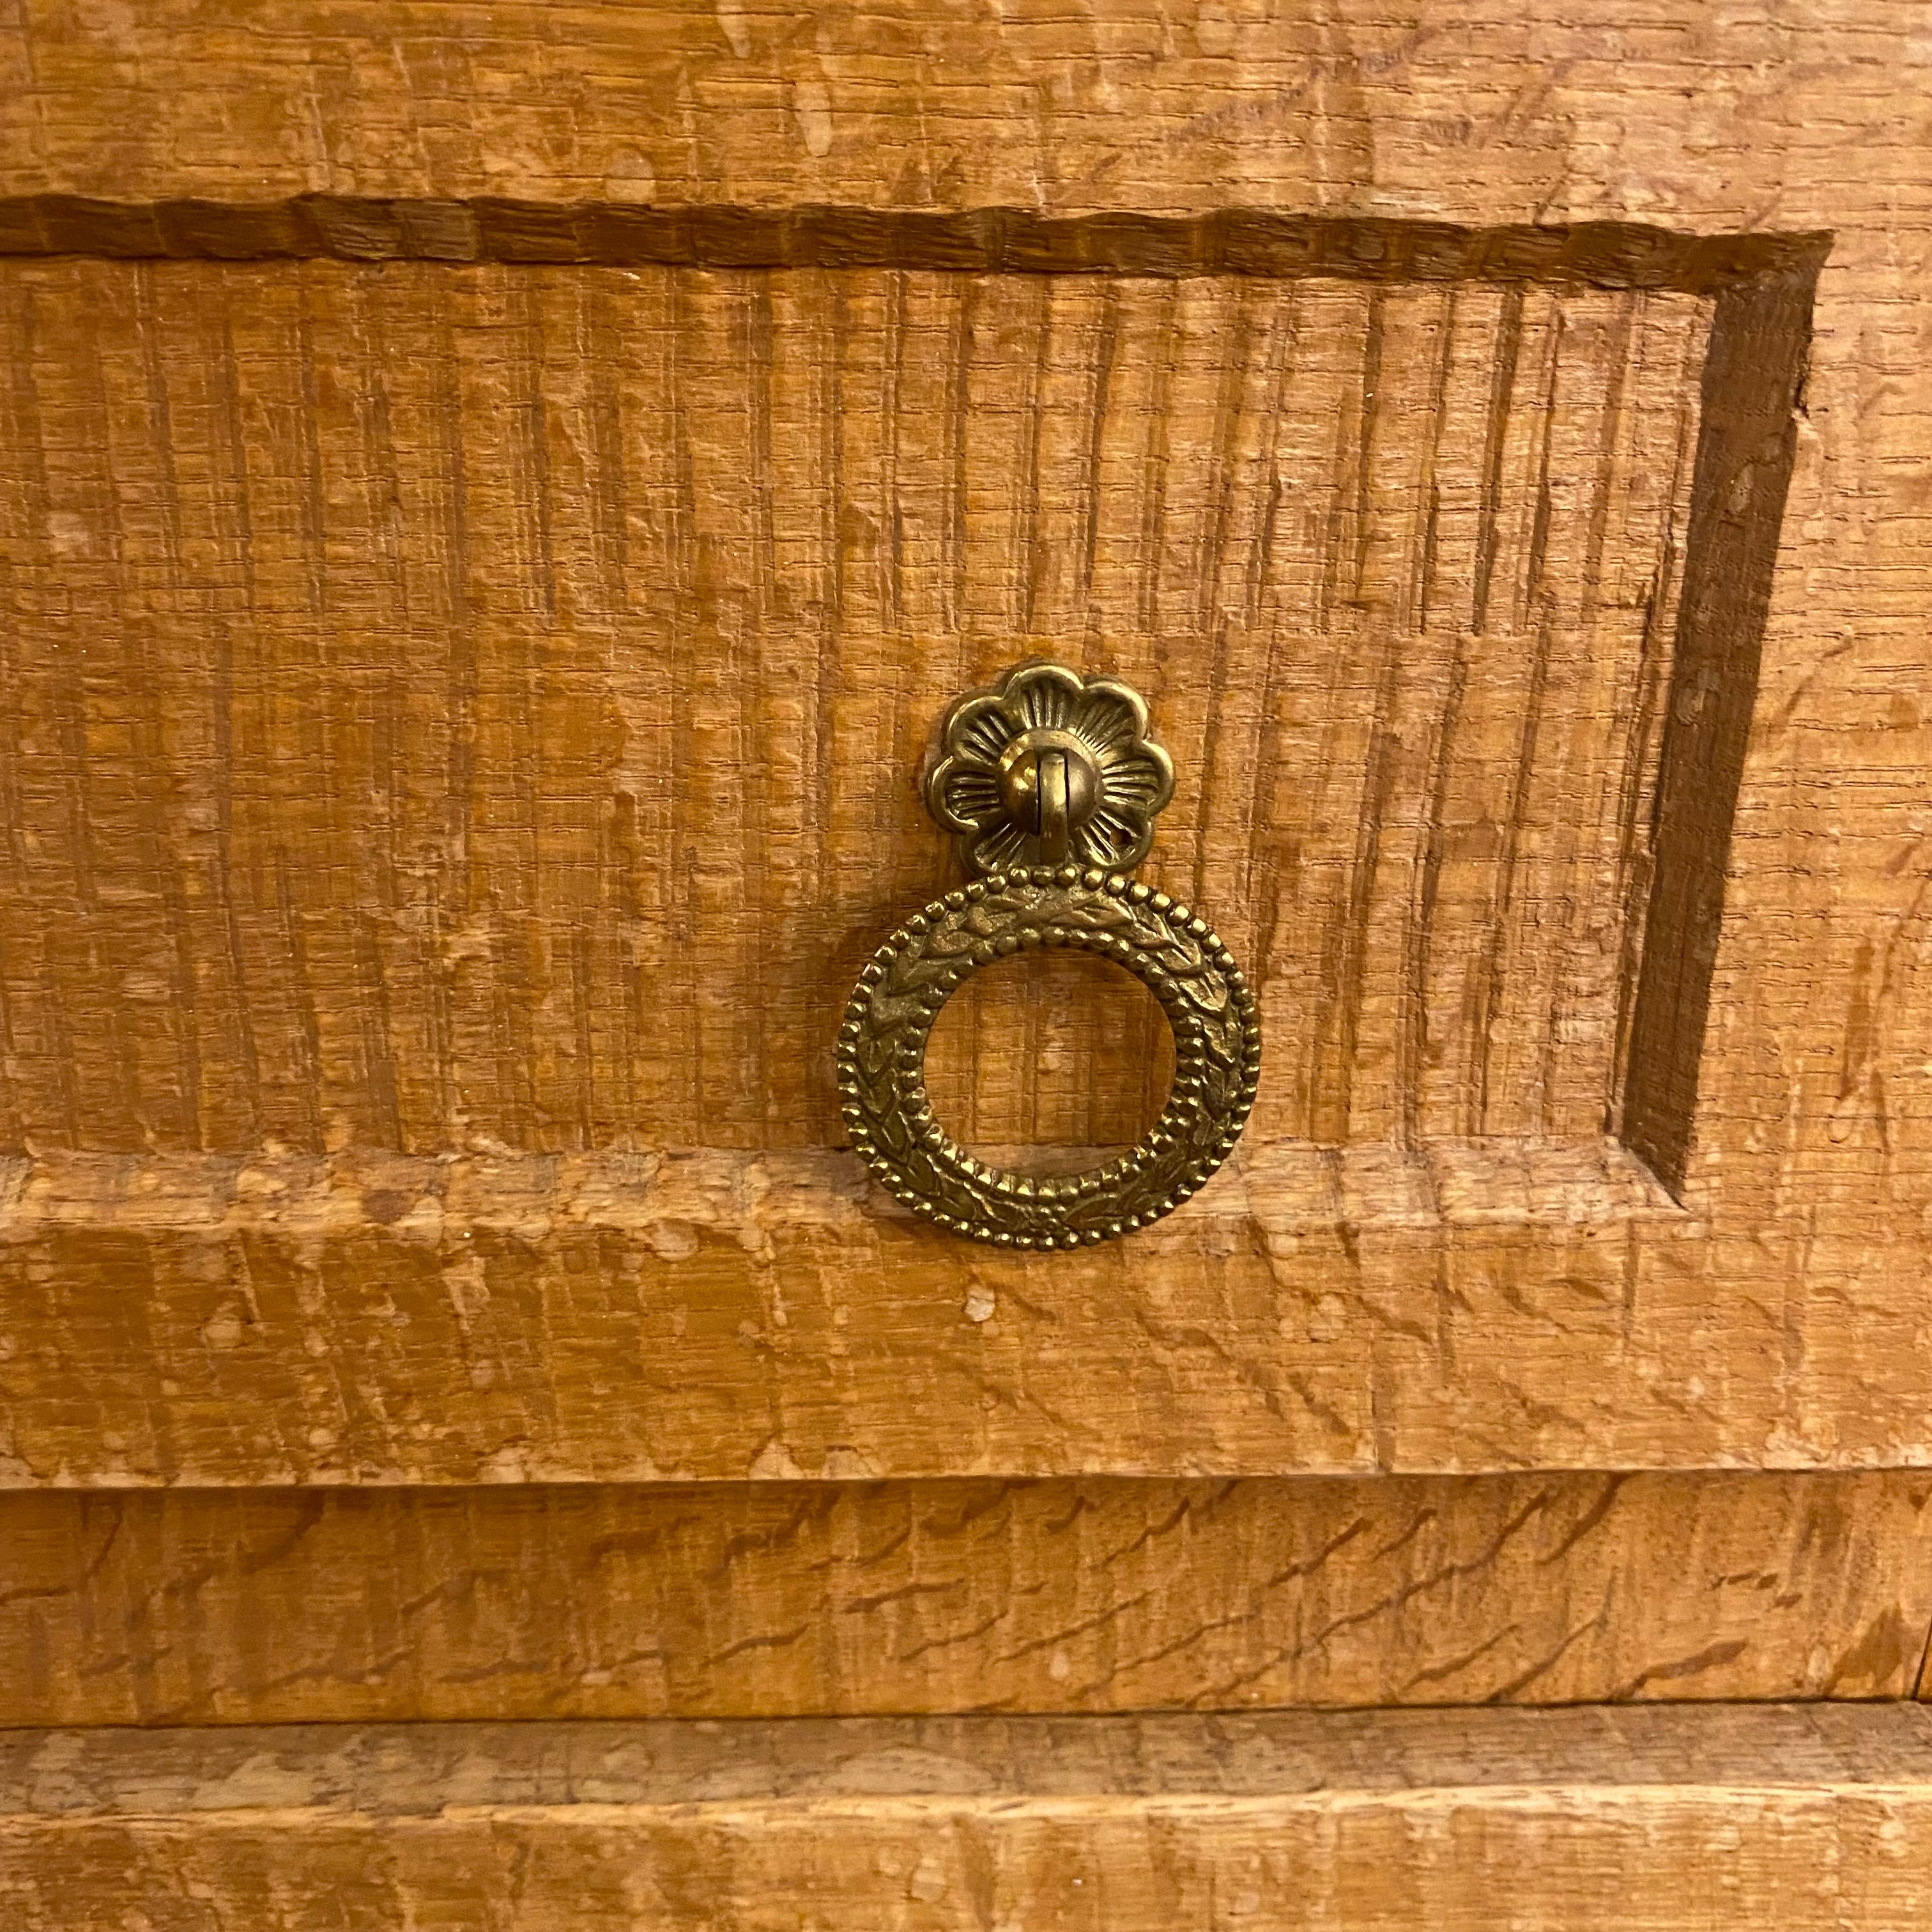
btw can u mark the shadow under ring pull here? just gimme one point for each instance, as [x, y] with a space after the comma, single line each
[1052, 785]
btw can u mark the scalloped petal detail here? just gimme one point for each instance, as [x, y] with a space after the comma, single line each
[981, 728]
[1112, 841]
[1136, 782]
[999, 849]
[970, 795]
[1108, 718]
[1111, 722]
[1045, 696]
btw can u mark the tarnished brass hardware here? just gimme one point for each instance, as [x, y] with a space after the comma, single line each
[1046, 768]
[1052, 785]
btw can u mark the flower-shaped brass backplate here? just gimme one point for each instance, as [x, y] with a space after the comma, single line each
[985, 785]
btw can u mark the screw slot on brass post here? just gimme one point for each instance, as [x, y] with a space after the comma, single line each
[1050, 793]
[1052, 785]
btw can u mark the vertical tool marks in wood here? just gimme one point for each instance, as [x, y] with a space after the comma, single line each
[484, 705]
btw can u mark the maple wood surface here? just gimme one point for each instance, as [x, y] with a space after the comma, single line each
[490, 508]
[1656, 1821]
[504, 689]
[390, 1770]
[209, 1320]
[347, 816]
[734, 1599]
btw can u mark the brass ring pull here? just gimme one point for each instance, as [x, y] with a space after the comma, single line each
[1061, 777]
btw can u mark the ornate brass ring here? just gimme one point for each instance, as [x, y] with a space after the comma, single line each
[1052, 784]
[1178, 956]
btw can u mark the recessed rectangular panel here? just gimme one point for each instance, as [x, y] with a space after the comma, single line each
[482, 706]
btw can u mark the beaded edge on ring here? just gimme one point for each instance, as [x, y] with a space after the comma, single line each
[1171, 913]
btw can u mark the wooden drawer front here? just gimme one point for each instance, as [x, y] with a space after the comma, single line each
[465, 730]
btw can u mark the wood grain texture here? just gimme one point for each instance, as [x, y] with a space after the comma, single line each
[1753, 385]
[1791, 1330]
[392, 1770]
[784, 1598]
[1161, 105]
[376, 1317]
[1487, 115]
[1659, 1821]
[1365, 379]
[466, 707]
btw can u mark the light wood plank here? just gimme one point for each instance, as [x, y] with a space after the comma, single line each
[1663, 1821]
[1795, 1336]
[778, 1598]
[655, 1316]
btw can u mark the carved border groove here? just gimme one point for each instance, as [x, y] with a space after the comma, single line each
[984, 241]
